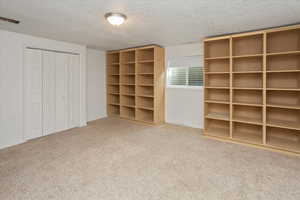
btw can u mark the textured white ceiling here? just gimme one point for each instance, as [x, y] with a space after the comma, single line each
[164, 22]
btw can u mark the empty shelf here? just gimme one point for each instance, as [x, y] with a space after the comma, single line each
[284, 106]
[217, 101]
[283, 124]
[218, 132]
[248, 56]
[217, 58]
[247, 72]
[283, 71]
[218, 116]
[247, 104]
[247, 137]
[210, 87]
[248, 120]
[283, 53]
[145, 108]
[128, 94]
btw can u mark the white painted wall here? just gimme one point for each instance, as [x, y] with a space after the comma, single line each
[184, 106]
[96, 89]
[11, 81]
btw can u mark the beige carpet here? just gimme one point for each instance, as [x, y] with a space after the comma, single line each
[113, 159]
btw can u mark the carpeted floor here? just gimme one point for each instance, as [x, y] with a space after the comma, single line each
[113, 159]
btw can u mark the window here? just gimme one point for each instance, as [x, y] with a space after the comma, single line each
[185, 71]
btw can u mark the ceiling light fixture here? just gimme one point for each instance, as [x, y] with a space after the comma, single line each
[9, 20]
[115, 19]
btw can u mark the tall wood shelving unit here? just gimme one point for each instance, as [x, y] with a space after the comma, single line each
[252, 88]
[135, 84]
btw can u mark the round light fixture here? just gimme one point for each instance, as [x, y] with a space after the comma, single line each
[115, 19]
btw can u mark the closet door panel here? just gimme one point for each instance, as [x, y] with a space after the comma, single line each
[33, 94]
[61, 67]
[49, 92]
[74, 91]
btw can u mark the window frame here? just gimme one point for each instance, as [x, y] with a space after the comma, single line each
[192, 87]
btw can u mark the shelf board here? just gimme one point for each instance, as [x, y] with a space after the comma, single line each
[283, 71]
[113, 84]
[114, 93]
[128, 106]
[114, 74]
[218, 58]
[217, 132]
[216, 72]
[247, 72]
[114, 104]
[127, 94]
[217, 101]
[242, 88]
[247, 120]
[284, 144]
[127, 63]
[247, 104]
[284, 89]
[150, 73]
[218, 116]
[283, 53]
[146, 61]
[210, 87]
[248, 56]
[128, 74]
[149, 85]
[283, 124]
[115, 63]
[145, 108]
[284, 106]
[247, 137]
[144, 95]
[127, 84]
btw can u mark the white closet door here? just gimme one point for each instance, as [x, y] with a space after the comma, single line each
[49, 92]
[61, 67]
[33, 94]
[74, 89]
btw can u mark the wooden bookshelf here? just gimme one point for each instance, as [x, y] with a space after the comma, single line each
[135, 84]
[252, 88]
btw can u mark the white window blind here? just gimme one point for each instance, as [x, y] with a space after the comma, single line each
[185, 71]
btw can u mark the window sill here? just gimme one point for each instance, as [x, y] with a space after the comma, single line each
[184, 87]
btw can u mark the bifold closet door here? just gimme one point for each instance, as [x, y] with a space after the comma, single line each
[49, 92]
[61, 89]
[33, 101]
[74, 90]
